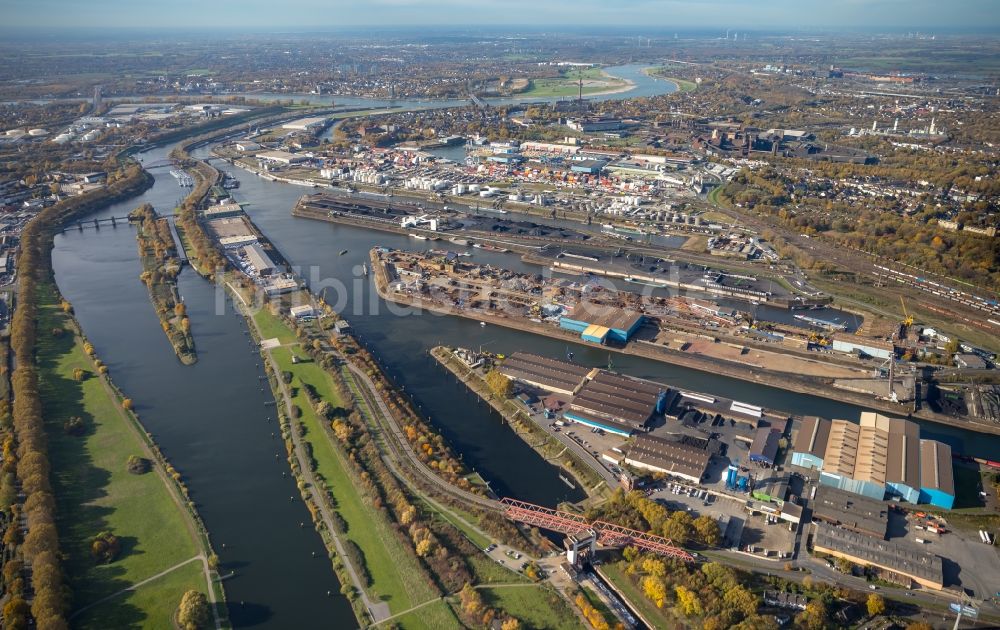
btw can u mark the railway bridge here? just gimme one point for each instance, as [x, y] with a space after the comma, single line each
[607, 534]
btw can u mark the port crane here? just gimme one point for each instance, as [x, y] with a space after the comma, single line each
[907, 318]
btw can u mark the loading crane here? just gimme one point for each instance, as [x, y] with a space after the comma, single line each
[908, 319]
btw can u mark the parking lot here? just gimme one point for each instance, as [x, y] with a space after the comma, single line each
[968, 562]
[769, 536]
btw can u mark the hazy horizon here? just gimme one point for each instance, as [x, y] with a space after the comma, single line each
[317, 15]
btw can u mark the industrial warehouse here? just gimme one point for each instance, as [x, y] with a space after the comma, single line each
[851, 511]
[876, 458]
[615, 403]
[545, 373]
[901, 563]
[680, 458]
[600, 399]
[599, 324]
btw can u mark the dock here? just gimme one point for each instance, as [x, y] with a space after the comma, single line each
[178, 245]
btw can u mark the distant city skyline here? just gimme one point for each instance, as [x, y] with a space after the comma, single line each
[978, 15]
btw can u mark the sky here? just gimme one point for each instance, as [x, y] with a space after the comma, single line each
[770, 15]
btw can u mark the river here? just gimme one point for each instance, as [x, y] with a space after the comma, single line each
[643, 86]
[216, 423]
[211, 419]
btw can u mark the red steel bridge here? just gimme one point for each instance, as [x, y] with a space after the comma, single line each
[608, 534]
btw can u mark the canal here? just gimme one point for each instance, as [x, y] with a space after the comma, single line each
[215, 420]
[401, 338]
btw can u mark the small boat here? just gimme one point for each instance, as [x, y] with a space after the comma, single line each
[343, 251]
[364, 268]
[482, 324]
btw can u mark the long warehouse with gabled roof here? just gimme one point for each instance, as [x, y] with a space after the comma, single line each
[901, 562]
[672, 457]
[615, 403]
[548, 374]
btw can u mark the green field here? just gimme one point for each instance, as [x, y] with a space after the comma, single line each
[535, 605]
[271, 327]
[158, 610]
[395, 573]
[436, 616]
[567, 84]
[95, 492]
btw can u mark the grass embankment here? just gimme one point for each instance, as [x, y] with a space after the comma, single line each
[535, 605]
[160, 267]
[395, 574]
[683, 85]
[96, 492]
[658, 617]
[386, 560]
[436, 616]
[595, 81]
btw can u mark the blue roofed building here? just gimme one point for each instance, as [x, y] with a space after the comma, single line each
[879, 457]
[937, 479]
[601, 324]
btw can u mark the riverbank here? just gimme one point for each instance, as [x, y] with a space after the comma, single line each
[683, 85]
[796, 383]
[393, 573]
[160, 267]
[109, 476]
[595, 82]
[534, 436]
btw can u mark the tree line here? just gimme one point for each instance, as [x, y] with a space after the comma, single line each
[25, 444]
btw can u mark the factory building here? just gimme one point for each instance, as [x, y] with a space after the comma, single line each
[589, 167]
[771, 489]
[280, 157]
[876, 458]
[545, 373]
[600, 324]
[261, 262]
[305, 124]
[589, 125]
[850, 511]
[222, 211]
[871, 347]
[764, 448]
[615, 403]
[670, 457]
[898, 562]
[937, 479]
[810, 443]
